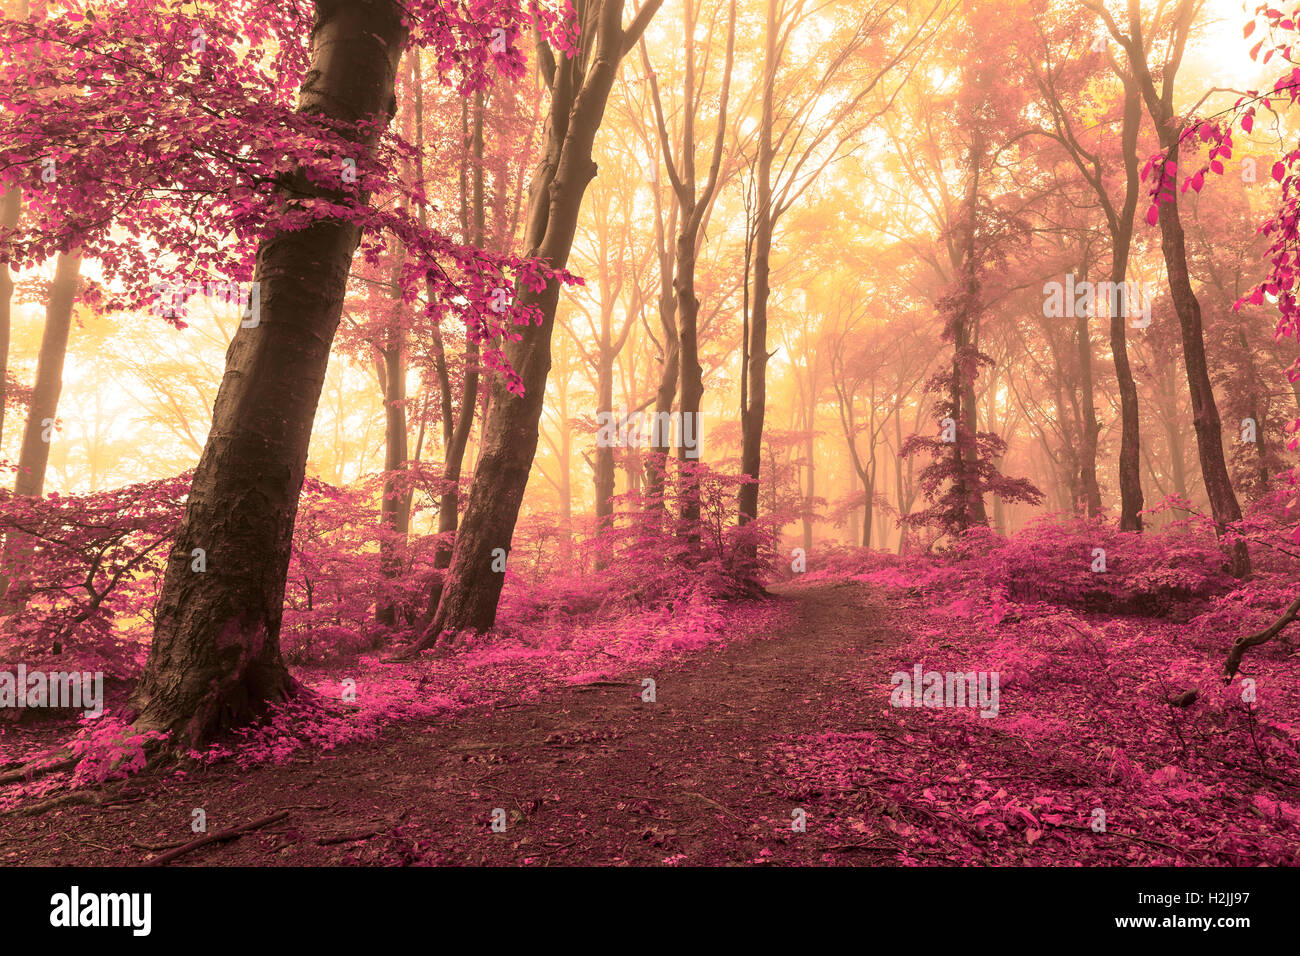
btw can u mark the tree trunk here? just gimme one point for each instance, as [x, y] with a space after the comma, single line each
[1205, 413]
[394, 511]
[41, 414]
[510, 431]
[1121, 228]
[1169, 128]
[215, 661]
[868, 510]
[44, 408]
[657, 454]
[455, 431]
[1089, 429]
[604, 405]
[754, 393]
[694, 206]
[692, 373]
[10, 210]
[656, 461]
[962, 391]
[12, 207]
[809, 452]
[904, 505]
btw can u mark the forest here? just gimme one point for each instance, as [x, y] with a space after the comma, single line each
[652, 433]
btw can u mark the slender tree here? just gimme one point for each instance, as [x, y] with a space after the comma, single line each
[580, 87]
[1170, 127]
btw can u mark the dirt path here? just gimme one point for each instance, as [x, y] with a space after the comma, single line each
[586, 774]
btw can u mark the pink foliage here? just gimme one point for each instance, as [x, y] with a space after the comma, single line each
[1095, 672]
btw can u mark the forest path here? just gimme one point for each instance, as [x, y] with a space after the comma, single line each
[586, 774]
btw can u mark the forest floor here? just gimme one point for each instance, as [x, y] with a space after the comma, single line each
[713, 772]
[585, 774]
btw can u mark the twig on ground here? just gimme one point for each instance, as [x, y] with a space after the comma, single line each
[1241, 644]
[221, 836]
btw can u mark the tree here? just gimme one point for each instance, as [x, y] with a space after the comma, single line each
[297, 184]
[580, 87]
[1170, 128]
[42, 412]
[693, 208]
[1050, 80]
[796, 143]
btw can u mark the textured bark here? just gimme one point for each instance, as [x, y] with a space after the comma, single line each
[1119, 223]
[580, 90]
[1169, 127]
[215, 661]
[35, 454]
[455, 431]
[694, 206]
[1090, 429]
[604, 471]
[666, 394]
[809, 453]
[961, 393]
[1121, 230]
[1205, 412]
[394, 510]
[753, 399]
[10, 210]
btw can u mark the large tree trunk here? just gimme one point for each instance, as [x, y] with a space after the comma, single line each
[215, 661]
[510, 432]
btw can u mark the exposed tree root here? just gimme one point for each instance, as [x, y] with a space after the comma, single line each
[74, 797]
[1242, 644]
[37, 768]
